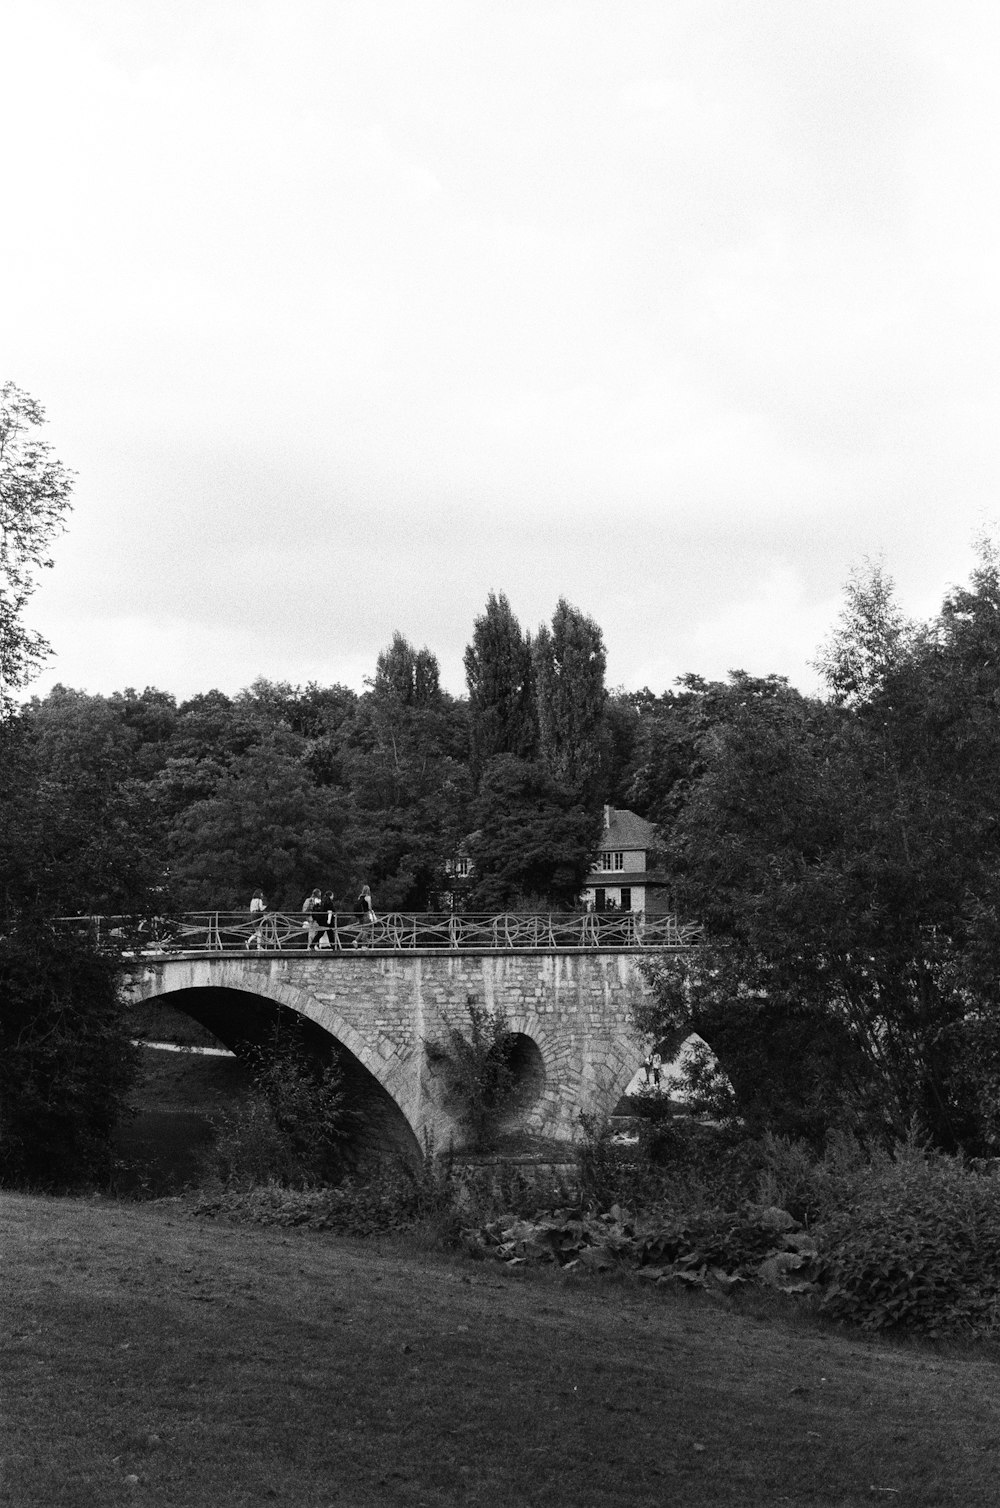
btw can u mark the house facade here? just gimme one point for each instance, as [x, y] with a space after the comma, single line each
[624, 876]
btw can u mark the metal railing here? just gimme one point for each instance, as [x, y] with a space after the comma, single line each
[297, 931]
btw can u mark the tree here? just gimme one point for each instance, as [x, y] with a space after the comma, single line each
[502, 716]
[870, 640]
[532, 840]
[759, 851]
[844, 858]
[569, 663]
[66, 1062]
[403, 759]
[266, 824]
[79, 830]
[676, 728]
[406, 675]
[34, 499]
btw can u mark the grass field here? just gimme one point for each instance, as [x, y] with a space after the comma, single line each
[151, 1358]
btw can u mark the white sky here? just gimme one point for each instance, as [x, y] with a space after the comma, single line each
[348, 313]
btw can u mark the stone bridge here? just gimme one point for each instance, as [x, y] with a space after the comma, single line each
[575, 1045]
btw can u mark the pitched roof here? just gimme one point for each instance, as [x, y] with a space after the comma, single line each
[625, 829]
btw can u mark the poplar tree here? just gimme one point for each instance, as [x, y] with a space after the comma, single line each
[569, 663]
[499, 676]
[406, 675]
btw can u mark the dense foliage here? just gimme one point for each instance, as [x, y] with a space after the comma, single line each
[843, 856]
[291, 1128]
[34, 498]
[137, 803]
[475, 1063]
[916, 1246]
[66, 1063]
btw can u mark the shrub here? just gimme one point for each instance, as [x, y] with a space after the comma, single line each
[717, 1250]
[676, 1163]
[478, 1074]
[810, 1186]
[291, 1129]
[390, 1196]
[916, 1247]
[611, 1171]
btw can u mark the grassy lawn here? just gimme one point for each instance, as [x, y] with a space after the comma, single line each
[150, 1358]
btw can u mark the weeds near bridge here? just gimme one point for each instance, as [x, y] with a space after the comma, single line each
[476, 1065]
[291, 1129]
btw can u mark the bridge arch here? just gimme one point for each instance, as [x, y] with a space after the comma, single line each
[576, 1046]
[245, 1014]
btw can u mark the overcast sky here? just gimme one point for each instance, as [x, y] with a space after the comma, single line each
[348, 313]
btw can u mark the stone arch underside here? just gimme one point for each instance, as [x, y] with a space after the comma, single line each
[243, 1017]
[567, 1077]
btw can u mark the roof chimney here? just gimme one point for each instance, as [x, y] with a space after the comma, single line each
[609, 812]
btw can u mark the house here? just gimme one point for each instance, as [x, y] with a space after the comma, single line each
[624, 876]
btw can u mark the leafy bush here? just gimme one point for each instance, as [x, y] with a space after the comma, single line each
[477, 1071]
[717, 1250]
[291, 1129]
[810, 1186]
[676, 1163]
[916, 1247]
[391, 1196]
[248, 1149]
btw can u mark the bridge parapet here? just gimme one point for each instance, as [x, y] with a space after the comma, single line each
[283, 931]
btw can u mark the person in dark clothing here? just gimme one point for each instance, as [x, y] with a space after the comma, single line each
[365, 914]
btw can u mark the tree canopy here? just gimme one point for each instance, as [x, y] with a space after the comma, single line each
[843, 857]
[569, 662]
[502, 715]
[35, 492]
[66, 1063]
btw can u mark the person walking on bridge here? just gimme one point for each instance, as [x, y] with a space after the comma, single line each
[365, 913]
[258, 910]
[325, 914]
[310, 906]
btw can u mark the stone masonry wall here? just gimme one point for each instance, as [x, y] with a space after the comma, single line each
[575, 1006]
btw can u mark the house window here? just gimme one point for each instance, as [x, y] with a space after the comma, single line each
[612, 860]
[462, 869]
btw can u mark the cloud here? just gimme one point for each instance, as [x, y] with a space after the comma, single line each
[347, 315]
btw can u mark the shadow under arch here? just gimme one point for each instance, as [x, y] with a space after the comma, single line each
[526, 1064]
[243, 1019]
